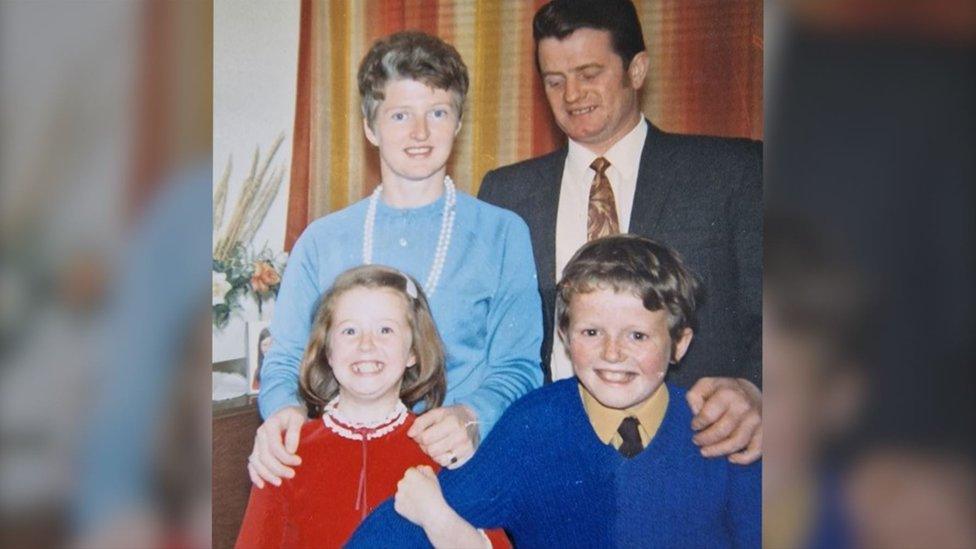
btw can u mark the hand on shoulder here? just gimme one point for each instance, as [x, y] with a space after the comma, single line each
[727, 418]
[449, 434]
[275, 447]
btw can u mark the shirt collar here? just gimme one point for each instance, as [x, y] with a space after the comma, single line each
[624, 155]
[606, 421]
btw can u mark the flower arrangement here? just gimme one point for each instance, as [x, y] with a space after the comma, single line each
[239, 270]
[244, 273]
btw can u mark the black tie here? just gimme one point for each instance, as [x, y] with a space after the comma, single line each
[632, 442]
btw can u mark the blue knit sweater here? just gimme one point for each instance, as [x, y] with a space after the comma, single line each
[545, 477]
[487, 306]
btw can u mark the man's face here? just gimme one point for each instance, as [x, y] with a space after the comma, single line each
[592, 95]
[620, 350]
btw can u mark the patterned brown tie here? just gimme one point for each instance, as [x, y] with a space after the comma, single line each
[602, 214]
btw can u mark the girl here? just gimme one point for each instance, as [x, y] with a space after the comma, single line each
[374, 352]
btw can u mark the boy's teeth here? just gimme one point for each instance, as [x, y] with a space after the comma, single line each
[615, 377]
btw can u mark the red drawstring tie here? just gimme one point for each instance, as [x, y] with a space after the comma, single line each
[361, 492]
[363, 433]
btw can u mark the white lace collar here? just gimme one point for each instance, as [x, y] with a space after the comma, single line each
[346, 428]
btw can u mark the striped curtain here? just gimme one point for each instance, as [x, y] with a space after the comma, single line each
[705, 77]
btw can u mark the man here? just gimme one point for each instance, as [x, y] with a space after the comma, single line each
[619, 173]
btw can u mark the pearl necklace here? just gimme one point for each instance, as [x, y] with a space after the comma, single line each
[443, 240]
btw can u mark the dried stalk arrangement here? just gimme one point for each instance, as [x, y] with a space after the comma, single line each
[257, 194]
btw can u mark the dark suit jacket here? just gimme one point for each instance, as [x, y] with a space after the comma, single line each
[700, 195]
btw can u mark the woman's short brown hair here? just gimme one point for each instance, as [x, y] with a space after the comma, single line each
[411, 55]
[426, 381]
[654, 273]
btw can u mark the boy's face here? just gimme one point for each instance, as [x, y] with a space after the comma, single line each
[620, 351]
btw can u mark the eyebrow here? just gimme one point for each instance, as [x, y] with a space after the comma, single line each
[386, 108]
[341, 321]
[580, 68]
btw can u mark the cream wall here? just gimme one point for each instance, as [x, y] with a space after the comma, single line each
[255, 68]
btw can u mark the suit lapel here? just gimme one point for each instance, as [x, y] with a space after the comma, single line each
[654, 183]
[546, 189]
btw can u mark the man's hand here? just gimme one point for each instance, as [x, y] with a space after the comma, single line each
[449, 435]
[419, 498]
[727, 417]
[270, 459]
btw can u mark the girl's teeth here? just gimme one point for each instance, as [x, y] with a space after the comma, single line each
[366, 367]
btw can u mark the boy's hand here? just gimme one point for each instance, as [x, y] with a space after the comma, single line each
[270, 458]
[449, 435]
[419, 498]
[727, 417]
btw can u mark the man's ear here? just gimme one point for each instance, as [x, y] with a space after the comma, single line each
[638, 70]
[680, 347]
[369, 133]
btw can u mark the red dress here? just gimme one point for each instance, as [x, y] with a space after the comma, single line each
[318, 507]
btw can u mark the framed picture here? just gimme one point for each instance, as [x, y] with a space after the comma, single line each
[258, 343]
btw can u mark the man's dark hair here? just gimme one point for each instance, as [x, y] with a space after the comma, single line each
[560, 18]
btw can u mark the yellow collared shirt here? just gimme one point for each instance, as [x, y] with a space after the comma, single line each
[606, 421]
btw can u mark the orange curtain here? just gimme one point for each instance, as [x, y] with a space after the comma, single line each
[705, 77]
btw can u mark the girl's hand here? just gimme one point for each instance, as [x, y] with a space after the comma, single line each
[271, 457]
[419, 498]
[449, 435]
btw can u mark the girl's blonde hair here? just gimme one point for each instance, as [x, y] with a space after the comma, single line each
[426, 381]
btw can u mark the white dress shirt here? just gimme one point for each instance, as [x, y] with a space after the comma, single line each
[574, 200]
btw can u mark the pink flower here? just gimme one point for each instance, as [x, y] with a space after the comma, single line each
[265, 276]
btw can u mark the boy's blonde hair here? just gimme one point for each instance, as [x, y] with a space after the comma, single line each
[426, 381]
[654, 273]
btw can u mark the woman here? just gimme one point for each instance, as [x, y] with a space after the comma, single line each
[473, 259]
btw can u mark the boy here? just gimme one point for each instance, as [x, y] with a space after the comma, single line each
[602, 459]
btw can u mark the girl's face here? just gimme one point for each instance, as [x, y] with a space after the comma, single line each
[370, 345]
[414, 128]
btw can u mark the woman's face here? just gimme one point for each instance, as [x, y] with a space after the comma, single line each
[414, 128]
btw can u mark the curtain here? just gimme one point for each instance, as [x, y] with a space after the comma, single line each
[705, 77]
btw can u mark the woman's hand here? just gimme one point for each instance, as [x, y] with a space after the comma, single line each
[270, 459]
[449, 435]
